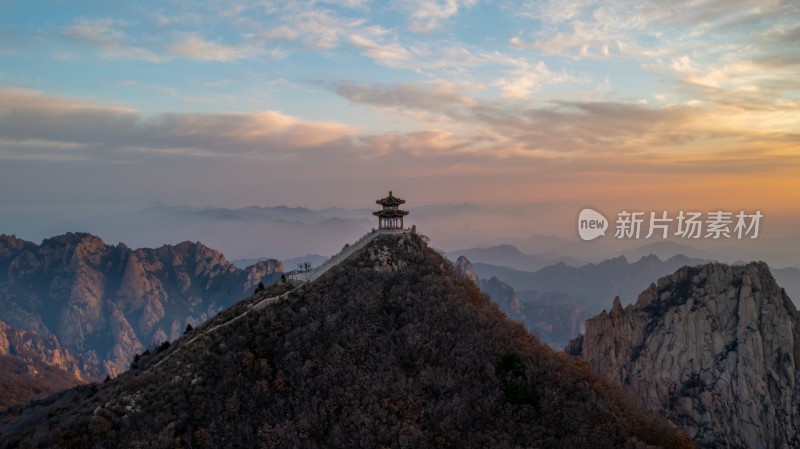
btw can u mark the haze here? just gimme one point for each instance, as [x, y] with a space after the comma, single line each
[526, 110]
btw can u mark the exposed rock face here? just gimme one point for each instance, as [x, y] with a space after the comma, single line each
[714, 348]
[37, 350]
[384, 259]
[33, 366]
[505, 297]
[255, 273]
[464, 269]
[106, 303]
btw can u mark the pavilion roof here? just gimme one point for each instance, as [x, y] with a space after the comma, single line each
[390, 200]
[390, 213]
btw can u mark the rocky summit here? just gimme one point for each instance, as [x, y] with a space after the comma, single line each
[465, 270]
[714, 348]
[387, 348]
[103, 304]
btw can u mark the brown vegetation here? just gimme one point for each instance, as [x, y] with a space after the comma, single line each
[370, 355]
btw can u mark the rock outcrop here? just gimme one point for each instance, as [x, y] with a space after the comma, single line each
[38, 350]
[33, 366]
[504, 295]
[714, 348]
[465, 270]
[106, 303]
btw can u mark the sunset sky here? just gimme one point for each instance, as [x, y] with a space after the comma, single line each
[612, 103]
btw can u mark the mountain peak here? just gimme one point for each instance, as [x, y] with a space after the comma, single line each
[616, 308]
[714, 347]
[387, 348]
[72, 238]
[650, 258]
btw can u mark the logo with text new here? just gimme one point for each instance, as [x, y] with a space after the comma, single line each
[591, 224]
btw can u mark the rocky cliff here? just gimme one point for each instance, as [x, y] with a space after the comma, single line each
[38, 351]
[714, 348]
[32, 366]
[464, 269]
[105, 303]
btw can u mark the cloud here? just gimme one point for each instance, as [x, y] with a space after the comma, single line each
[356, 4]
[557, 128]
[195, 47]
[322, 29]
[738, 61]
[106, 132]
[391, 55]
[426, 16]
[282, 32]
[521, 76]
[62, 148]
[421, 144]
[411, 98]
[582, 130]
[456, 132]
[171, 91]
[318, 28]
[106, 35]
[597, 29]
[521, 83]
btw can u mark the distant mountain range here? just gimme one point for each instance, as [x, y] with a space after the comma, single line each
[789, 279]
[85, 307]
[509, 255]
[556, 318]
[578, 291]
[596, 283]
[284, 232]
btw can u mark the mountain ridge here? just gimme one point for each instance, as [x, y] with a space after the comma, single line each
[594, 282]
[387, 349]
[106, 303]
